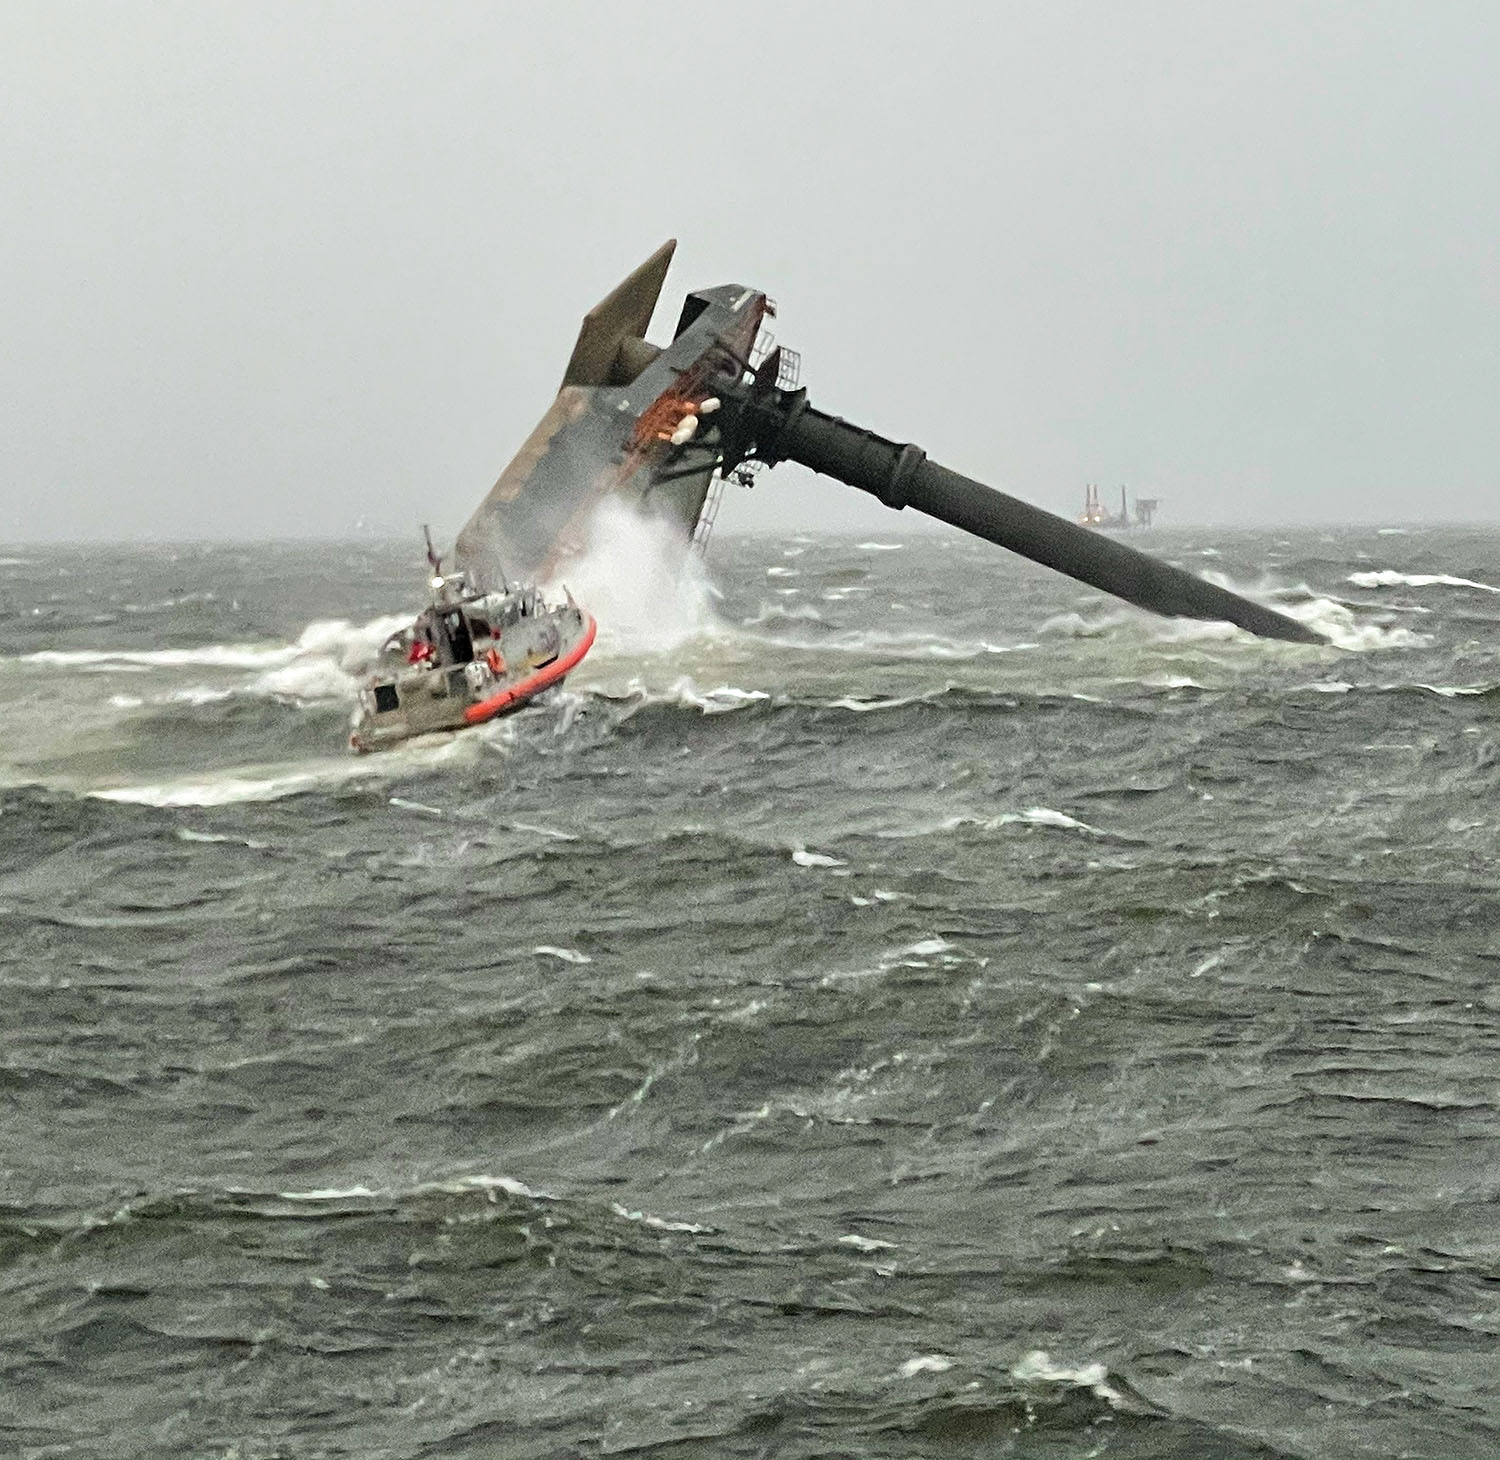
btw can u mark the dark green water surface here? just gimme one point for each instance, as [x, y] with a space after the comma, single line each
[895, 1002]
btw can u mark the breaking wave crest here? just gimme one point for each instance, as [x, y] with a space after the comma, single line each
[325, 662]
[1390, 578]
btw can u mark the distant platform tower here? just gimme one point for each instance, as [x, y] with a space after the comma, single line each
[1145, 510]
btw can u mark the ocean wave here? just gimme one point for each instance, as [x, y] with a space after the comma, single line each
[227, 789]
[1337, 623]
[274, 783]
[1040, 816]
[1039, 1367]
[906, 646]
[1162, 679]
[1390, 578]
[323, 662]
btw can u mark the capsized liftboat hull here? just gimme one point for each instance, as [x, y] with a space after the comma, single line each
[469, 658]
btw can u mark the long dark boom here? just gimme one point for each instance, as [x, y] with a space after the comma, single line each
[786, 428]
[656, 425]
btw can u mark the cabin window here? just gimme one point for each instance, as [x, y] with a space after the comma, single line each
[386, 699]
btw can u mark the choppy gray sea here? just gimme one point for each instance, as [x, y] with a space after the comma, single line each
[893, 1001]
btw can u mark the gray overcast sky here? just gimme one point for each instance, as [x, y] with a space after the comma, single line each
[266, 269]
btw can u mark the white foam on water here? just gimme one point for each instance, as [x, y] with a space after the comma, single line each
[480, 1182]
[330, 1193]
[768, 611]
[221, 790]
[564, 955]
[1163, 680]
[686, 695]
[1390, 578]
[187, 834]
[804, 858]
[1076, 626]
[863, 706]
[210, 656]
[892, 645]
[273, 783]
[548, 831]
[926, 1364]
[1196, 631]
[1039, 1367]
[866, 1244]
[641, 580]
[1044, 816]
[881, 547]
[1337, 623]
[715, 701]
[402, 804]
[326, 662]
[661, 1224]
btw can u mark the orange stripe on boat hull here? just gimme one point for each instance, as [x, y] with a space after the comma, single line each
[524, 689]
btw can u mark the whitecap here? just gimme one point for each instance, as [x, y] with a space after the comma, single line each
[1038, 1366]
[213, 656]
[330, 1193]
[1045, 816]
[714, 701]
[187, 834]
[272, 783]
[804, 858]
[487, 1184]
[565, 955]
[1076, 626]
[863, 706]
[225, 790]
[881, 547]
[770, 611]
[661, 1224]
[1390, 578]
[401, 803]
[549, 831]
[1336, 622]
[926, 1364]
[866, 1244]
[1163, 680]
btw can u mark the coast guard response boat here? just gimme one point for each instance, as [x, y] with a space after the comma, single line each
[468, 657]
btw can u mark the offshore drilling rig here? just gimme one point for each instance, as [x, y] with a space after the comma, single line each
[666, 426]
